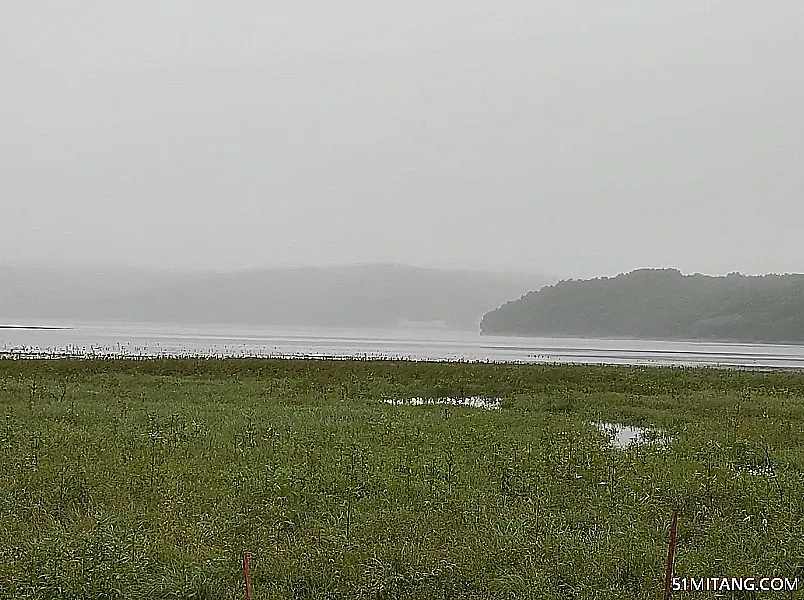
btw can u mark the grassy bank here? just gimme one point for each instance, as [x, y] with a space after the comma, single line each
[148, 479]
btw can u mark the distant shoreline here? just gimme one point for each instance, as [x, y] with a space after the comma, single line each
[623, 338]
[194, 359]
[41, 327]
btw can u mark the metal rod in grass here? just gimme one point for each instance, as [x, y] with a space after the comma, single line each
[247, 574]
[671, 554]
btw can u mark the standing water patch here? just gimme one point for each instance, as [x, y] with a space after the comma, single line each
[624, 436]
[472, 402]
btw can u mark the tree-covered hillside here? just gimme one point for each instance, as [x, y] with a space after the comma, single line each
[660, 304]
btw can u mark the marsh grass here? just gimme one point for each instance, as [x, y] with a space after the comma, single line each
[148, 479]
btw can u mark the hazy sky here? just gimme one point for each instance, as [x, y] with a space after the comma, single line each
[568, 137]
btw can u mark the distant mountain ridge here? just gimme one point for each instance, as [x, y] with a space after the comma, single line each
[377, 295]
[660, 304]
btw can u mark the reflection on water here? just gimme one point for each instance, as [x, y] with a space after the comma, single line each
[624, 436]
[147, 339]
[472, 402]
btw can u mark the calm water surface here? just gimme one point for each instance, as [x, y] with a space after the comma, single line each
[236, 340]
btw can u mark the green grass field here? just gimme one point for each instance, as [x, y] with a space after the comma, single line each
[148, 479]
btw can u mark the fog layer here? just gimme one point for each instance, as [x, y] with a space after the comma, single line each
[577, 138]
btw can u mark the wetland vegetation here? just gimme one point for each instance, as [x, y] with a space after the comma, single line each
[150, 478]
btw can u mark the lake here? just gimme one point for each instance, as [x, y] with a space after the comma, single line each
[152, 339]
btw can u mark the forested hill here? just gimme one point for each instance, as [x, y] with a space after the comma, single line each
[660, 304]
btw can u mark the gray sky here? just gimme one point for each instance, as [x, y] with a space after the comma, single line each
[573, 138]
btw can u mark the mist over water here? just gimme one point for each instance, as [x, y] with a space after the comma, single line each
[243, 164]
[570, 138]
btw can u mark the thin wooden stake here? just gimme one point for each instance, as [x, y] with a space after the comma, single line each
[247, 573]
[671, 555]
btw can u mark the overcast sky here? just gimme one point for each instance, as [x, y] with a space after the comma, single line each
[567, 137]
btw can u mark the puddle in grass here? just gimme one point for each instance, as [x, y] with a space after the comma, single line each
[761, 471]
[625, 436]
[472, 402]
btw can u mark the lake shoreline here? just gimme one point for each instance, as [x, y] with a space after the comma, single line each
[105, 357]
[61, 339]
[35, 327]
[681, 340]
